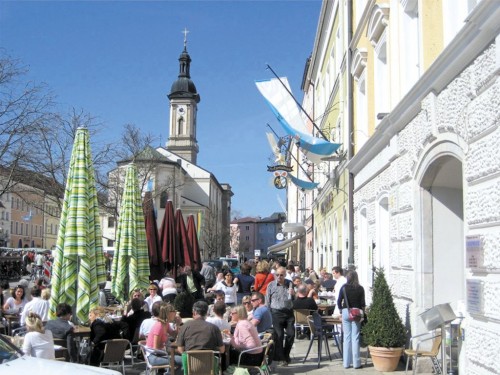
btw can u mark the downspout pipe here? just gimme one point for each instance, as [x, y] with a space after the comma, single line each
[350, 114]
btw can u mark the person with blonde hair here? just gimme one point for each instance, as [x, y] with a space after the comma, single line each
[245, 337]
[38, 342]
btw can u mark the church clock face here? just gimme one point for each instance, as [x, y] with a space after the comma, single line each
[181, 110]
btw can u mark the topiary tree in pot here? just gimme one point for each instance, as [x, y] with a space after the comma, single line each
[384, 332]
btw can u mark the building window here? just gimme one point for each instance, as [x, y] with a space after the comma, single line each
[22, 228]
[247, 227]
[111, 222]
[247, 238]
[12, 202]
[111, 243]
[163, 199]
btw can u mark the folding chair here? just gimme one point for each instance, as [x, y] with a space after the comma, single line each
[150, 369]
[264, 366]
[419, 353]
[200, 362]
[114, 354]
[301, 321]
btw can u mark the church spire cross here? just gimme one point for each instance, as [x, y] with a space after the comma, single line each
[185, 32]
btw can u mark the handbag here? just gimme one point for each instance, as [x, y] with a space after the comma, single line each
[355, 314]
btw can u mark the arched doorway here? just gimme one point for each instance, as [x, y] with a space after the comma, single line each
[442, 223]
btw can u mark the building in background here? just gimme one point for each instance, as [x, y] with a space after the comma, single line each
[171, 173]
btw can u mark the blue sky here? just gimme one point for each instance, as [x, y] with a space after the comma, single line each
[118, 59]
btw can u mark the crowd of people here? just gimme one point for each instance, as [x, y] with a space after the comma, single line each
[226, 311]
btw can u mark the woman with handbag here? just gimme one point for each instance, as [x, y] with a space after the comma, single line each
[351, 302]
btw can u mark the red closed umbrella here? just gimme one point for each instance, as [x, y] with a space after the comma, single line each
[192, 235]
[181, 232]
[170, 251]
[156, 261]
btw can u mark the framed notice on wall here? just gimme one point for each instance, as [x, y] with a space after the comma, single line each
[474, 251]
[474, 296]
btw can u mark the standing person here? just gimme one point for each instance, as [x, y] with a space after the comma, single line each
[198, 334]
[208, 272]
[168, 287]
[354, 296]
[61, 328]
[340, 280]
[229, 288]
[261, 316]
[245, 337]
[279, 298]
[38, 342]
[263, 277]
[245, 282]
[191, 281]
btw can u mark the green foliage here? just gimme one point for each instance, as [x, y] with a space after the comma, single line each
[183, 303]
[384, 327]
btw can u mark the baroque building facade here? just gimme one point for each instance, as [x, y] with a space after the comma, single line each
[419, 126]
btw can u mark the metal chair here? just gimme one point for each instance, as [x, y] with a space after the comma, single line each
[114, 354]
[150, 369]
[419, 353]
[301, 321]
[320, 332]
[200, 362]
[263, 368]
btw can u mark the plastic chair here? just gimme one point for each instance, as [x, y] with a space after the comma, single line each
[301, 321]
[264, 366]
[114, 354]
[150, 369]
[200, 362]
[418, 353]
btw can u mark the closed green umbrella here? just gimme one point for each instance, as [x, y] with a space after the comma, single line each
[78, 258]
[130, 269]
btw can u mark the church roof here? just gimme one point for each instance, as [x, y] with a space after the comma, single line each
[184, 87]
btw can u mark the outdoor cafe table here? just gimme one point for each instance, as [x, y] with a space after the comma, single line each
[11, 318]
[326, 309]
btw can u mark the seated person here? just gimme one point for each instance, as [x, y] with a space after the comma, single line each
[328, 283]
[135, 320]
[262, 317]
[38, 305]
[246, 301]
[137, 293]
[38, 342]
[102, 328]
[61, 328]
[153, 295]
[147, 324]
[245, 337]
[156, 342]
[302, 301]
[219, 320]
[219, 296]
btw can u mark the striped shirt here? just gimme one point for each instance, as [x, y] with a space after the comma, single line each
[277, 296]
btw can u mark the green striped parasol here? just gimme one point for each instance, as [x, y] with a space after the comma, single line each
[78, 258]
[130, 268]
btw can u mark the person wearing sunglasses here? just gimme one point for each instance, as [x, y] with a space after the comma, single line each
[261, 315]
[279, 299]
[153, 295]
[245, 301]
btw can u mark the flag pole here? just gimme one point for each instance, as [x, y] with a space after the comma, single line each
[297, 102]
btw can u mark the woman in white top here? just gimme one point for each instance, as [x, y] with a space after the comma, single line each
[17, 301]
[38, 342]
[229, 288]
[153, 295]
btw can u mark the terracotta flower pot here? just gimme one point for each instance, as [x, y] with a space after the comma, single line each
[385, 359]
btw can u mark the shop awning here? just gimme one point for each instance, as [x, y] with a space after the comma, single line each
[284, 244]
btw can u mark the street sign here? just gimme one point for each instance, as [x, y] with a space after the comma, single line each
[257, 253]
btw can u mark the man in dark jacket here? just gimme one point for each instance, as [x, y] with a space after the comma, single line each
[302, 301]
[191, 281]
[62, 329]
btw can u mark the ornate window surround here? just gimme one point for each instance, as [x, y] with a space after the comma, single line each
[379, 20]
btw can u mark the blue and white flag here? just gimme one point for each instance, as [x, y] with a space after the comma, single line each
[288, 114]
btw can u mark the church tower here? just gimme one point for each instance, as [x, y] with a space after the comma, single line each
[183, 108]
